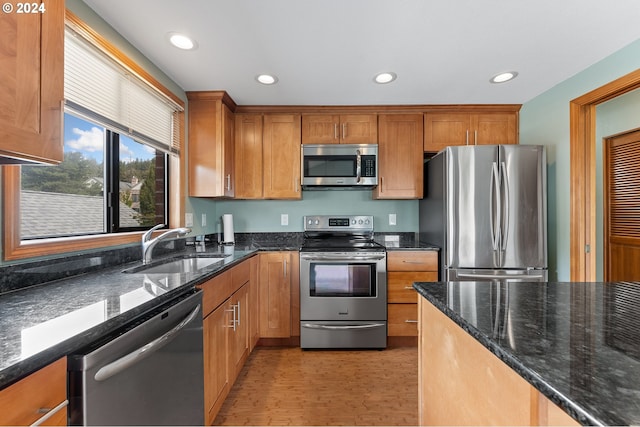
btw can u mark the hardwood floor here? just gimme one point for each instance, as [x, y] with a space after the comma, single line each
[289, 386]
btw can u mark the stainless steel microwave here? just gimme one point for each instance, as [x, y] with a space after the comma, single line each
[339, 166]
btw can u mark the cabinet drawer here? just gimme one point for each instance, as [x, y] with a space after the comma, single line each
[402, 320]
[412, 261]
[400, 284]
[26, 401]
[215, 291]
[240, 274]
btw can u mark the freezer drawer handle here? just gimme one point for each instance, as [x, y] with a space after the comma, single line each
[499, 276]
[132, 358]
[342, 327]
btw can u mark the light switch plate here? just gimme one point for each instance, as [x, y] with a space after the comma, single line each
[204, 220]
[392, 219]
[284, 219]
[188, 219]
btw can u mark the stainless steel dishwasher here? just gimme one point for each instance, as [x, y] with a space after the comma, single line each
[151, 373]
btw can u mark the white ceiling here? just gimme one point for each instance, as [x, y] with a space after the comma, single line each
[326, 52]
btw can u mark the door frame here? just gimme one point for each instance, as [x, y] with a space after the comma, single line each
[583, 173]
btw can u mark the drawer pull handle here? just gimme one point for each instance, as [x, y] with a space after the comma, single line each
[48, 413]
[413, 262]
[409, 288]
[410, 321]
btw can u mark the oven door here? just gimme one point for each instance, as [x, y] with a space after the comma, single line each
[343, 286]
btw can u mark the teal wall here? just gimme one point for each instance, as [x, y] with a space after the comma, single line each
[251, 216]
[545, 120]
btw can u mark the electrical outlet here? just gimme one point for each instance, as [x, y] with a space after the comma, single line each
[284, 219]
[204, 220]
[188, 219]
[392, 219]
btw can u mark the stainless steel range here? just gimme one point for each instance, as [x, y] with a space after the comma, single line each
[343, 284]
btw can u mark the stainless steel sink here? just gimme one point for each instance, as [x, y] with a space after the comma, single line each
[177, 265]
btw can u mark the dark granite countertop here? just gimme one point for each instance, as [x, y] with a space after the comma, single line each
[41, 323]
[578, 343]
[51, 308]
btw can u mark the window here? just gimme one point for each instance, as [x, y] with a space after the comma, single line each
[121, 171]
[102, 169]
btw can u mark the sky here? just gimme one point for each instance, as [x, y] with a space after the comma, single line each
[88, 139]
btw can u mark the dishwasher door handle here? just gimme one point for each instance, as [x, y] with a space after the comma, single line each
[132, 358]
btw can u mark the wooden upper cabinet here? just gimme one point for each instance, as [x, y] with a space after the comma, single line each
[447, 129]
[32, 85]
[339, 129]
[248, 156]
[281, 154]
[211, 144]
[399, 156]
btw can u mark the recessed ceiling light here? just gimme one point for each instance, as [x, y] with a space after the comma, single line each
[504, 77]
[181, 41]
[383, 78]
[267, 79]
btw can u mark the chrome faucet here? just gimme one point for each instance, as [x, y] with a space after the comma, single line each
[148, 243]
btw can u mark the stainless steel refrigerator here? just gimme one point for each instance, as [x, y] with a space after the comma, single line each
[486, 208]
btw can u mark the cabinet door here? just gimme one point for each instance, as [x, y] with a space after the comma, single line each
[216, 373]
[239, 333]
[275, 294]
[444, 129]
[495, 128]
[32, 85]
[359, 129]
[320, 129]
[400, 156]
[344, 129]
[210, 151]
[228, 142]
[248, 156]
[254, 312]
[281, 150]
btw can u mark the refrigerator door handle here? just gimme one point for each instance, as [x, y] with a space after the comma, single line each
[504, 227]
[499, 276]
[494, 214]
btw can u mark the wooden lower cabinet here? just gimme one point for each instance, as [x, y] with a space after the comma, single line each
[404, 268]
[462, 383]
[279, 279]
[228, 307]
[254, 312]
[239, 331]
[41, 394]
[216, 375]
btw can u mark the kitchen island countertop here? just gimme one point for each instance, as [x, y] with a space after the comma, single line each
[577, 343]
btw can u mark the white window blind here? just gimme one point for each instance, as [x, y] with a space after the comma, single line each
[101, 89]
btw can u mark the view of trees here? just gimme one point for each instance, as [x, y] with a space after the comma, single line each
[80, 175]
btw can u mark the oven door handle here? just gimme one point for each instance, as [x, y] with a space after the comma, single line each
[342, 327]
[346, 258]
